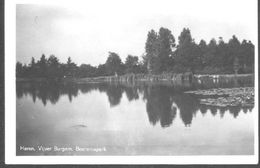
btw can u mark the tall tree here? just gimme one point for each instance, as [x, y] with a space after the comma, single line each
[114, 64]
[234, 51]
[187, 53]
[247, 56]
[166, 45]
[202, 52]
[221, 56]
[152, 52]
[42, 66]
[33, 68]
[211, 53]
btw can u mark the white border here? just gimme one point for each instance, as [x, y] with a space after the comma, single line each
[10, 115]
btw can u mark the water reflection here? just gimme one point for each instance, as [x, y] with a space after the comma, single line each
[114, 94]
[188, 106]
[159, 105]
[49, 91]
[162, 101]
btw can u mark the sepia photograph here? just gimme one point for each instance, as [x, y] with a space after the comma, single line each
[141, 78]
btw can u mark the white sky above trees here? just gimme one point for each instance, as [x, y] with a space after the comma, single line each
[87, 30]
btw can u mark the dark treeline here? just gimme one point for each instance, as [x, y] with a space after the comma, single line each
[162, 54]
[162, 102]
[52, 68]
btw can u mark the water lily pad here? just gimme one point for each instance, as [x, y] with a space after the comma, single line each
[224, 97]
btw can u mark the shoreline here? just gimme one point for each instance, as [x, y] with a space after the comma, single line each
[187, 77]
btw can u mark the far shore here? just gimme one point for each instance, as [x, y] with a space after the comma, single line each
[136, 77]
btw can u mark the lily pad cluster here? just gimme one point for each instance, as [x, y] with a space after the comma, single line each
[223, 97]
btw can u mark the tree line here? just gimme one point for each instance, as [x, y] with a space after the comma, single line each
[52, 68]
[162, 55]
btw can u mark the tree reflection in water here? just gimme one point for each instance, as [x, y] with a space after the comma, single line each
[188, 106]
[162, 101]
[48, 91]
[159, 105]
[114, 93]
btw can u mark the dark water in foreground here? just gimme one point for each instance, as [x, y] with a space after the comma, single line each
[130, 119]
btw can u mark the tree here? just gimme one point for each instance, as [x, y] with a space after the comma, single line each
[161, 55]
[101, 70]
[221, 54]
[53, 67]
[250, 50]
[142, 64]
[69, 62]
[53, 61]
[185, 37]
[202, 52]
[131, 64]
[70, 68]
[19, 69]
[42, 63]
[33, 68]
[152, 51]
[114, 64]
[32, 64]
[166, 45]
[247, 56]
[211, 53]
[86, 70]
[233, 52]
[187, 53]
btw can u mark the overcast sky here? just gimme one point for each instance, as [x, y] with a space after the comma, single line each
[88, 31]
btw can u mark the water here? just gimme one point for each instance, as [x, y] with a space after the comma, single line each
[129, 119]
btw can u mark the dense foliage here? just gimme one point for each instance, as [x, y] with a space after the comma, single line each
[162, 54]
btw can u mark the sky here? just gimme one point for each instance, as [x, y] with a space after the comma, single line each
[87, 30]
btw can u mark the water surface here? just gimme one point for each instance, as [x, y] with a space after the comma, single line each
[129, 119]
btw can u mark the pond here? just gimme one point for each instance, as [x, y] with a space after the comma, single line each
[129, 119]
